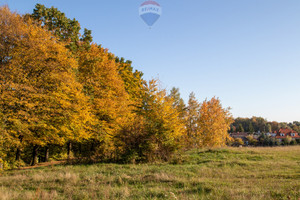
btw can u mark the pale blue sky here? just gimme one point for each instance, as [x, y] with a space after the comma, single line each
[246, 52]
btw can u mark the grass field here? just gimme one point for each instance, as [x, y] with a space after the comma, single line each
[230, 173]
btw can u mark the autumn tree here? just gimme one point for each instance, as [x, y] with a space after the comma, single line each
[41, 100]
[214, 123]
[268, 128]
[162, 121]
[98, 72]
[178, 102]
[192, 116]
[12, 30]
[3, 142]
[133, 81]
[156, 130]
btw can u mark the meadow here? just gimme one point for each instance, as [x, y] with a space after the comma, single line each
[227, 173]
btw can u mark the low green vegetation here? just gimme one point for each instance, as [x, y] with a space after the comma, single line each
[229, 173]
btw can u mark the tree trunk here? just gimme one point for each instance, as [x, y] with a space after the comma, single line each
[46, 155]
[18, 154]
[69, 149]
[92, 147]
[34, 155]
[1, 164]
[80, 149]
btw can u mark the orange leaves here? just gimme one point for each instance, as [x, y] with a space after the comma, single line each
[207, 124]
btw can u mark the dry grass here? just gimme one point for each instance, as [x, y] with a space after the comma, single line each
[231, 173]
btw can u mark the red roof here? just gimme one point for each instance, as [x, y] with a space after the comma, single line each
[285, 132]
[150, 3]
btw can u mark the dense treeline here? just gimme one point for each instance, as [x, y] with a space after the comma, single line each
[259, 124]
[64, 96]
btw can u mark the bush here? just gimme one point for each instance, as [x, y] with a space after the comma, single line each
[272, 142]
[277, 142]
[238, 142]
[251, 140]
[294, 142]
[287, 141]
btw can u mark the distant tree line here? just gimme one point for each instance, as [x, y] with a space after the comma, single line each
[264, 140]
[259, 124]
[63, 96]
[257, 129]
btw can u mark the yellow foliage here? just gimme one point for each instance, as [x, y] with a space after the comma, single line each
[102, 84]
[40, 98]
[214, 123]
[49, 95]
[191, 122]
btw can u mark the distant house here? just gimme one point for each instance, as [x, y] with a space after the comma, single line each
[286, 132]
[241, 135]
[271, 134]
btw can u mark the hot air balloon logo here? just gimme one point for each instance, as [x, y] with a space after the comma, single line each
[150, 12]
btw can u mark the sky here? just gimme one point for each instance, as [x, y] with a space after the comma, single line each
[246, 52]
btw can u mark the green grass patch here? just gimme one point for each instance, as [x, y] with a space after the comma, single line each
[229, 173]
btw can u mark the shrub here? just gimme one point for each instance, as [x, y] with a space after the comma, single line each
[238, 142]
[251, 140]
[293, 142]
[287, 141]
[277, 142]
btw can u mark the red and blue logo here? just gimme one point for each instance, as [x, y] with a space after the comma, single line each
[150, 11]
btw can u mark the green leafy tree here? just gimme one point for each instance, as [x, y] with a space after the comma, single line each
[251, 128]
[269, 128]
[232, 128]
[67, 30]
[178, 102]
[283, 125]
[264, 140]
[241, 128]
